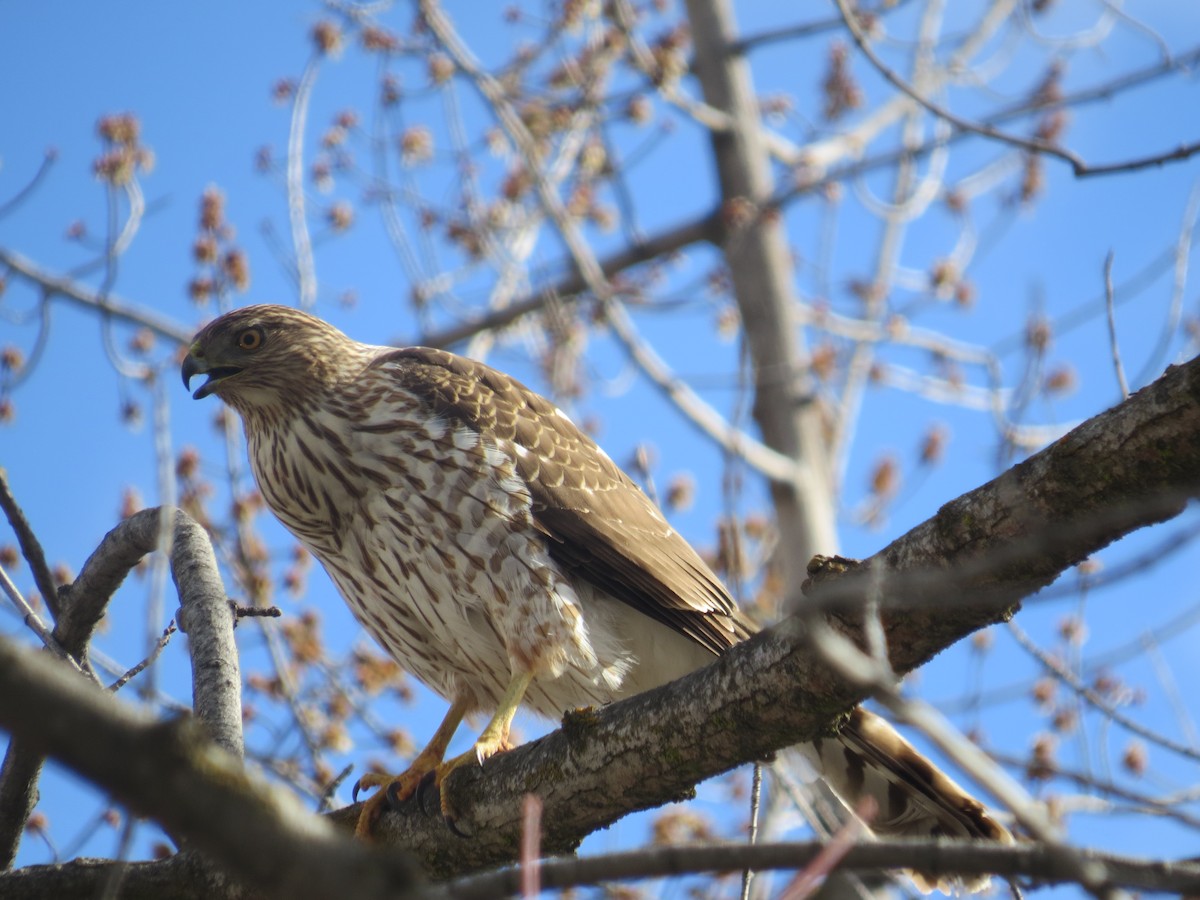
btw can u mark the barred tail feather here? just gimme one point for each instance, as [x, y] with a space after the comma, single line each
[869, 758]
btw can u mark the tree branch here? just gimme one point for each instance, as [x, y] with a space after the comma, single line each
[205, 614]
[31, 547]
[969, 566]
[182, 878]
[174, 773]
[937, 858]
[1030, 145]
[759, 261]
[64, 286]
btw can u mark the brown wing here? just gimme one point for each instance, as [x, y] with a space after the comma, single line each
[599, 524]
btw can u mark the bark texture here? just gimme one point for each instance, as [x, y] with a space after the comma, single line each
[759, 260]
[967, 567]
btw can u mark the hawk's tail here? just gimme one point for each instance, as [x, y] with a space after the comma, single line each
[869, 758]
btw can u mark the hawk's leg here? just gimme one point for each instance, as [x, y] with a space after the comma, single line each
[492, 740]
[394, 789]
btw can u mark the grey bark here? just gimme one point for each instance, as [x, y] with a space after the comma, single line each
[209, 620]
[760, 267]
[207, 616]
[969, 566]
[174, 772]
[183, 879]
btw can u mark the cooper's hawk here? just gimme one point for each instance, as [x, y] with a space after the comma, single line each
[496, 552]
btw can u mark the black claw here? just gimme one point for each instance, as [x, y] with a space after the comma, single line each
[452, 824]
[393, 801]
[423, 786]
[354, 790]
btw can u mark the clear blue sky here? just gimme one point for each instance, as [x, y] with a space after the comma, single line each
[199, 78]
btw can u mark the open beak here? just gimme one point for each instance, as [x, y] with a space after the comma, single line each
[193, 365]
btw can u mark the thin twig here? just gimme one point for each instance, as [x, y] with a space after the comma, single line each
[34, 622]
[155, 652]
[1030, 145]
[811, 876]
[1118, 366]
[306, 276]
[48, 159]
[325, 802]
[752, 829]
[1071, 680]
[31, 548]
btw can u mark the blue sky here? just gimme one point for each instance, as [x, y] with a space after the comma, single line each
[199, 77]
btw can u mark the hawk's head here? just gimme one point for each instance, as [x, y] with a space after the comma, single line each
[259, 355]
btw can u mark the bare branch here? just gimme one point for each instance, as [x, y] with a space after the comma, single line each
[26, 191]
[695, 231]
[216, 682]
[207, 616]
[756, 250]
[1030, 145]
[136, 670]
[110, 304]
[33, 621]
[1115, 346]
[938, 858]
[967, 567]
[185, 877]
[174, 773]
[31, 548]
[306, 276]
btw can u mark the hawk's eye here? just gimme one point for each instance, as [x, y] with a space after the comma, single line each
[250, 339]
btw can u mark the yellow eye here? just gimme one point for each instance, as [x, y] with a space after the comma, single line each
[250, 339]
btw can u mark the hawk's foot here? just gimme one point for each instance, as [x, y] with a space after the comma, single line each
[393, 790]
[485, 748]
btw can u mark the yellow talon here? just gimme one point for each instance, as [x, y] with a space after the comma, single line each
[493, 740]
[394, 789]
[398, 788]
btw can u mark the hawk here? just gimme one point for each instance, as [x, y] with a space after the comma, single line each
[497, 553]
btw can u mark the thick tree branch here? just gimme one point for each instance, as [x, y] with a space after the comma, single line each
[174, 773]
[206, 616]
[182, 878]
[969, 566]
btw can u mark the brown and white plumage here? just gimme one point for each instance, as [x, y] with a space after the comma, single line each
[494, 550]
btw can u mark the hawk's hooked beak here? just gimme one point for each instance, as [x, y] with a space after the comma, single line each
[195, 364]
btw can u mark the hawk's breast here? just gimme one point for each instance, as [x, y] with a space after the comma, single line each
[426, 528]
